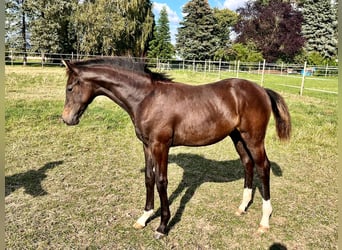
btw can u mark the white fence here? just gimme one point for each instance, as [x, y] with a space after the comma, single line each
[217, 67]
[49, 59]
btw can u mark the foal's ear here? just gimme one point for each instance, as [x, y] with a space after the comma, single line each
[69, 66]
[66, 63]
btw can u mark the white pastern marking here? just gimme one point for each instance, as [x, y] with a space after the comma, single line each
[246, 198]
[142, 220]
[266, 213]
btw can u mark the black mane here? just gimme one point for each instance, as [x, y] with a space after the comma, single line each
[131, 64]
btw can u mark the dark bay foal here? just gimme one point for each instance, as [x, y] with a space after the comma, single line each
[167, 114]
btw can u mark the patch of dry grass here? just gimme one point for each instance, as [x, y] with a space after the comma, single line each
[83, 187]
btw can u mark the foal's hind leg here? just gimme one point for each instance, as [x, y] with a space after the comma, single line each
[263, 169]
[248, 164]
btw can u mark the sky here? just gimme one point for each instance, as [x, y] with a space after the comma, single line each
[174, 10]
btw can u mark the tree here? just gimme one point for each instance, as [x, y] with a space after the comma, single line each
[16, 26]
[50, 25]
[96, 33]
[196, 38]
[112, 27]
[160, 45]
[320, 27]
[245, 53]
[274, 27]
[138, 29]
[225, 20]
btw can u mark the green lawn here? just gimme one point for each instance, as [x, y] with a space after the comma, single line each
[82, 187]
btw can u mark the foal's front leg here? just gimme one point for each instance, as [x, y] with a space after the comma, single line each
[156, 158]
[160, 153]
[149, 183]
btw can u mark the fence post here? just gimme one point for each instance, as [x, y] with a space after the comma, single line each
[205, 67]
[220, 68]
[326, 70]
[237, 69]
[42, 55]
[303, 79]
[193, 65]
[281, 69]
[11, 57]
[263, 73]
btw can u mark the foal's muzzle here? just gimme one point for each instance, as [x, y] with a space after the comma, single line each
[69, 122]
[69, 118]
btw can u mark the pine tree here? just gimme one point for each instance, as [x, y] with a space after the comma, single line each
[160, 46]
[320, 27]
[196, 38]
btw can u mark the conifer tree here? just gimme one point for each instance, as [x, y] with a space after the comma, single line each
[160, 45]
[320, 27]
[196, 38]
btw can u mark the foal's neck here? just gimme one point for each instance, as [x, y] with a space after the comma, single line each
[127, 89]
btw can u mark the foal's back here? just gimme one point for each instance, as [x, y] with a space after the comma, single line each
[204, 114]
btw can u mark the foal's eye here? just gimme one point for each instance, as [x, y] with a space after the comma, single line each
[71, 86]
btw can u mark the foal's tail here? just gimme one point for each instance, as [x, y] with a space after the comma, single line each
[281, 115]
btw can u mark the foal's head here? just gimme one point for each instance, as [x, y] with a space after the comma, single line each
[79, 93]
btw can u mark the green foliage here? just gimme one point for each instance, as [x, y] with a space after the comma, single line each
[114, 28]
[314, 58]
[160, 45]
[245, 53]
[196, 38]
[225, 19]
[49, 25]
[95, 30]
[15, 25]
[320, 27]
[97, 27]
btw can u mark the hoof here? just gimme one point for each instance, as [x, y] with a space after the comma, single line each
[263, 229]
[240, 212]
[158, 235]
[138, 226]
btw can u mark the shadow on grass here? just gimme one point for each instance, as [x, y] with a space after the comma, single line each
[30, 180]
[278, 246]
[199, 170]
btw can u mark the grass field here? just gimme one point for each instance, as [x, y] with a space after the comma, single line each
[83, 187]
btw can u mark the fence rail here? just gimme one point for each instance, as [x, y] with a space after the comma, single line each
[236, 67]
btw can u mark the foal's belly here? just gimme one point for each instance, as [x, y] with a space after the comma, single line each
[201, 134]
